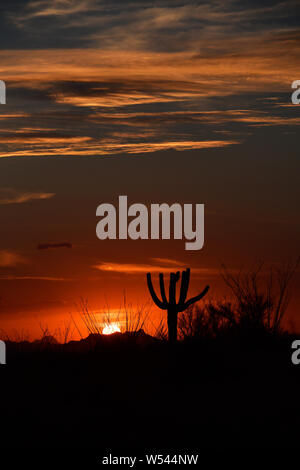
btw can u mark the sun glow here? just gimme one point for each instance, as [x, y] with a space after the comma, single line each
[111, 328]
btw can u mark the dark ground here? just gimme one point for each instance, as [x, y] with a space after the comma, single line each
[135, 392]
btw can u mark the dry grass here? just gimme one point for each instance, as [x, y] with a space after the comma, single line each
[130, 318]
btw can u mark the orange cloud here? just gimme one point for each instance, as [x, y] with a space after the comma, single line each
[271, 68]
[110, 147]
[269, 121]
[13, 115]
[13, 196]
[42, 140]
[164, 267]
[9, 259]
[168, 261]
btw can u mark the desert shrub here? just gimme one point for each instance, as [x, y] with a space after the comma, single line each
[259, 301]
[260, 298]
[206, 321]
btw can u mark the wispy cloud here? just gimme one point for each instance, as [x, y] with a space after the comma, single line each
[168, 262]
[35, 139]
[4, 116]
[206, 26]
[42, 8]
[260, 120]
[9, 259]
[14, 196]
[144, 147]
[158, 265]
[113, 148]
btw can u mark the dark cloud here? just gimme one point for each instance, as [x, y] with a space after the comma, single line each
[143, 75]
[46, 246]
[139, 25]
[118, 87]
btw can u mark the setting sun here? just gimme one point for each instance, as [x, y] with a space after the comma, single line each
[111, 328]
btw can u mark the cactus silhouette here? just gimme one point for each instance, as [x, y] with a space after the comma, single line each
[173, 307]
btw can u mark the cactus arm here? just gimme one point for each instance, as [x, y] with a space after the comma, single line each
[185, 280]
[162, 288]
[155, 299]
[195, 299]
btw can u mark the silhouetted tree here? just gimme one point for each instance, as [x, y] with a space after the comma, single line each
[173, 307]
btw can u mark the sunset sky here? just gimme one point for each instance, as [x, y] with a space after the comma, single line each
[167, 101]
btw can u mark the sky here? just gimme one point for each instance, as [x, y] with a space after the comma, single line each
[163, 101]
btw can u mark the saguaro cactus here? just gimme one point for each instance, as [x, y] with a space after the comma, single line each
[173, 307]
